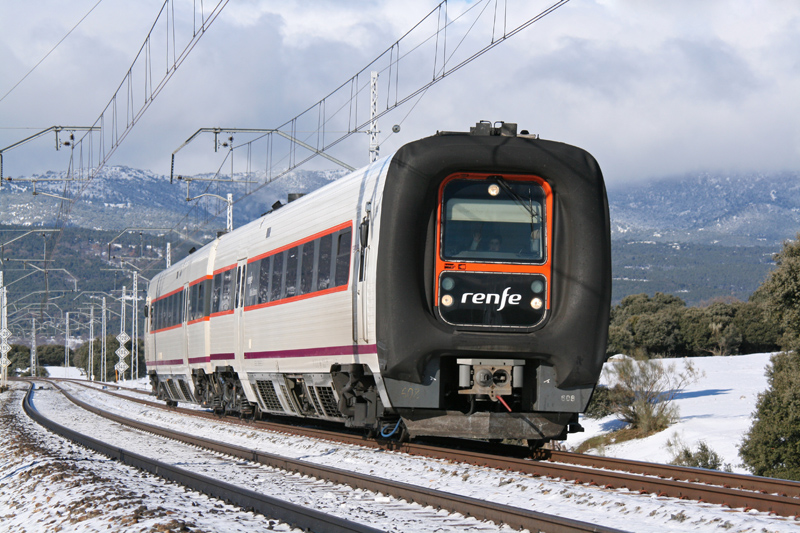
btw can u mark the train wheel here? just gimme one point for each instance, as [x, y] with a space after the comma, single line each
[537, 452]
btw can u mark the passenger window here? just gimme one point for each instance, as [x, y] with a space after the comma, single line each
[225, 298]
[307, 267]
[291, 272]
[263, 280]
[199, 296]
[216, 293]
[277, 276]
[324, 263]
[343, 257]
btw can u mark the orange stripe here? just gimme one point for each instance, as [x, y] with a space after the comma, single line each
[297, 298]
[224, 269]
[176, 291]
[222, 313]
[196, 320]
[322, 233]
[167, 329]
[199, 280]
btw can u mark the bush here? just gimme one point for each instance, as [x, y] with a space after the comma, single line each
[772, 445]
[601, 404]
[644, 389]
[704, 457]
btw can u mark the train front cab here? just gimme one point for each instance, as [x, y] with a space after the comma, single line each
[503, 242]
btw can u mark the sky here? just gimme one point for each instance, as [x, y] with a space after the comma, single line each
[652, 89]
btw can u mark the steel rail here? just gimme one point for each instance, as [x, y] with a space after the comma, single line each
[479, 509]
[781, 497]
[295, 515]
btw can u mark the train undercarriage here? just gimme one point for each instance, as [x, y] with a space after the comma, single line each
[350, 395]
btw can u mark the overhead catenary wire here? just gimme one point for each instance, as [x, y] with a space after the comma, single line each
[50, 52]
[354, 86]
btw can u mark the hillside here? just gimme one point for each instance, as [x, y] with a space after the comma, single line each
[727, 209]
[699, 236]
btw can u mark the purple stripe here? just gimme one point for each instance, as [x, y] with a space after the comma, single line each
[222, 356]
[167, 362]
[195, 360]
[314, 352]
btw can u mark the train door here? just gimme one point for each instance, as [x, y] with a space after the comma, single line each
[238, 310]
[361, 330]
[185, 320]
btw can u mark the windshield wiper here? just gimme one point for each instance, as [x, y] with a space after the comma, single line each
[525, 203]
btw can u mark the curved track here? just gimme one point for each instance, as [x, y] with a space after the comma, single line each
[781, 497]
[479, 509]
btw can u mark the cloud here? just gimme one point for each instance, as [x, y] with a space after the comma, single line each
[650, 88]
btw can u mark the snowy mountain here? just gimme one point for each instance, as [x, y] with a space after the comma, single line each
[730, 209]
[121, 197]
[743, 209]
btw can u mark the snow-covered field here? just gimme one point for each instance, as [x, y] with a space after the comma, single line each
[716, 409]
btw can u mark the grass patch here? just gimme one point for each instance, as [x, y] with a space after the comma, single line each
[615, 437]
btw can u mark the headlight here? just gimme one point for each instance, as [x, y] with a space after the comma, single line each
[537, 303]
[447, 300]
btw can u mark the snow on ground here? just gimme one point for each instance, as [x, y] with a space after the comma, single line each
[70, 372]
[717, 409]
[614, 508]
[49, 484]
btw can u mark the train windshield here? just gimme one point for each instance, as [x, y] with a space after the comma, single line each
[493, 220]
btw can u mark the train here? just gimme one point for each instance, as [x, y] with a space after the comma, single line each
[458, 287]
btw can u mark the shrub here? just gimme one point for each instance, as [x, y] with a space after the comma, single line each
[644, 389]
[772, 445]
[602, 403]
[704, 457]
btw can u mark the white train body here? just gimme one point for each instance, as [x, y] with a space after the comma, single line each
[306, 311]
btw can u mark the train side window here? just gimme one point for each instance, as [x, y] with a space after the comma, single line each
[168, 311]
[192, 302]
[252, 279]
[226, 296]
[307, 267]
[199, 300]
[192, 311]
[324, 263]
[182, 307]
[277, 276]
[206, 297]
[263, 280]
[344, 245]
[292, 256]
[216, 293]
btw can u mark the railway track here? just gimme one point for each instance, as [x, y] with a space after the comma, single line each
[777, 496]
[466, 506]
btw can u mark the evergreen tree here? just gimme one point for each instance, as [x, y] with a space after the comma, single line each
[781, 293]
[772, 445]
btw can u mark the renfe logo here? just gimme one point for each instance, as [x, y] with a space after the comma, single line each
[480, 298]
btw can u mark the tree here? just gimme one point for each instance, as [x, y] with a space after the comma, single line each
[772, 445]
[112, 344]
[781, 293]
[759, 333]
